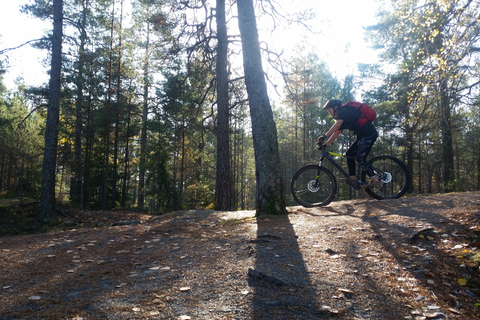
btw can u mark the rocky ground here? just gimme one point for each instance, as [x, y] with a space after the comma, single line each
[410, 258]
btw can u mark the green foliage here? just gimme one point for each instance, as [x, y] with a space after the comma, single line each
[21, 144]
[15, 221]
[168, 68]
[430, 43]
[308, 87]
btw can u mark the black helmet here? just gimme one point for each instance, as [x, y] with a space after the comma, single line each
[332, 103]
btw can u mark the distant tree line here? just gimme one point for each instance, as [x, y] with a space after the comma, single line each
[154, 114]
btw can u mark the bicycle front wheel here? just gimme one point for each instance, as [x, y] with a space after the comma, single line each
[313, 186]
[394, 175]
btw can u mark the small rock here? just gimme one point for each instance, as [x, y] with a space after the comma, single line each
[258, 275]
[421, 234]
[470, 293]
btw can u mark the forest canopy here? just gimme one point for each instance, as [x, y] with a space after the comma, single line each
[142, 113]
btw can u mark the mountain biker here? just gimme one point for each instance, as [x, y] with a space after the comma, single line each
[346, 117]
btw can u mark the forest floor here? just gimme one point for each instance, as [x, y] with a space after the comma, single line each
[410, 258]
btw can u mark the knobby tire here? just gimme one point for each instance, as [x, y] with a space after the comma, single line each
[313, 186]
[399, 178]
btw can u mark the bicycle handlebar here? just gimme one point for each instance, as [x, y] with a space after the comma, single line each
[320, 146]
[323, 148]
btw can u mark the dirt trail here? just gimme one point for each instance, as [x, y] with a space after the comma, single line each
[411, 258]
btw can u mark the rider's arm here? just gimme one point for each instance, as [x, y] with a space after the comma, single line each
[336, 126]
[334, 131]
[333, 137]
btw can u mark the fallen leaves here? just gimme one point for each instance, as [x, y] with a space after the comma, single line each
[345, 290]
[329, 309]
[169, 268]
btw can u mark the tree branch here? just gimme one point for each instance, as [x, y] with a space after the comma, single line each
[23, 44]
[35, 109]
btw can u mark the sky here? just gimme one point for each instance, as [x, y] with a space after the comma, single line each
[17, 28]
[338, 40]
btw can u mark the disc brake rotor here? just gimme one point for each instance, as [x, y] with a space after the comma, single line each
[386, 177]
[313, 186]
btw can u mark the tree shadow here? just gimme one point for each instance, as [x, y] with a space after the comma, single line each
[282, 285]
[418, 216]
[287, 278]
[111, 273]
[412, 232]
[399, 238]
[345, 209]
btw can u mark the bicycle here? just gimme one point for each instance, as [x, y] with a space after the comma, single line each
[315, 185]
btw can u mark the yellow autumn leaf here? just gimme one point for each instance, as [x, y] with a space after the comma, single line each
[462, 281]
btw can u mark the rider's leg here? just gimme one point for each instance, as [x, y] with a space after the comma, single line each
[364, 147]
[351, 152]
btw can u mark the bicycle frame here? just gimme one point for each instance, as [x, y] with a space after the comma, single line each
[315, 185]
[328, 155]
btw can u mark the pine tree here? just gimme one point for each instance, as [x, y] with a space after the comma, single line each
[270, 187]
[47, 199]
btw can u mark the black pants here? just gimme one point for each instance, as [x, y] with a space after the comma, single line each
[360, 150]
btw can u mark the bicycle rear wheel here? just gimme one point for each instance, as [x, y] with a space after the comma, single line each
[394, 175]
[313, 186]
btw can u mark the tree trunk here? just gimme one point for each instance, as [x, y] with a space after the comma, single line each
[420, 160]
[88, 149]
[76, 183]
[127, 159]
[409, 147]
[447, 144]
[478, 169]
[143, 141]
[295, 138]
[182, 163]
[304, 134]
[224, 179]
[107, 112]
[270, 197]
[47, 200]
[235, 164]
[2, 171]
[117, 113]
[175, 201]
